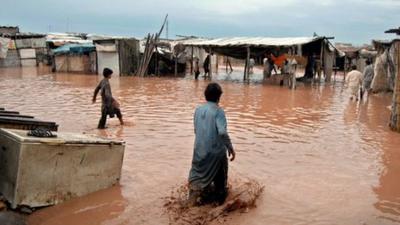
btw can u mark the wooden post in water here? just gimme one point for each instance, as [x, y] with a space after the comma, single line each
[176, 66]
[191, 63]
[247, 67]
[210, 63]
[321, 62]
[395, 114]
[226, 64]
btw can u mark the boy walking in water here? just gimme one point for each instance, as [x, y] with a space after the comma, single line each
[208, 177]
[109, 106]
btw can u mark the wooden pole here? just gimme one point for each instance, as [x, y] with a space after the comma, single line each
[226, 64]
[245, 69]
[247, 63]
[191, 62]
[210, 63]
[156, 63]
[216, 63]
[395, 114]
[321, 60]
[176, 65]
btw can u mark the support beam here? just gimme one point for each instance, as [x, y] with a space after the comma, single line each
[210, 63]
[191, 62]
[395, 114]
[176, 66]
[247, 67]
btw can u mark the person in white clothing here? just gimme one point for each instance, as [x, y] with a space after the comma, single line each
[353, 82]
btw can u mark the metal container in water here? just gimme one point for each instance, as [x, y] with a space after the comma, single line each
[45, 171]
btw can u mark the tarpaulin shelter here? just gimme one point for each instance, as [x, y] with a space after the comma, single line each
[246, 47]
[77, 58]
[23, 49]
[117, 53]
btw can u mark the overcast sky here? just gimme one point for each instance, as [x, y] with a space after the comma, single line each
[354, 21]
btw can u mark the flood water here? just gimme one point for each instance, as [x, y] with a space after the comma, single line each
[322, 158]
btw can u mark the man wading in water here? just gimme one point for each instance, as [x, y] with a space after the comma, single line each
[208, 177]
[109, 106]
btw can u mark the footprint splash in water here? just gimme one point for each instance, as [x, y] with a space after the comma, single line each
[242, 197]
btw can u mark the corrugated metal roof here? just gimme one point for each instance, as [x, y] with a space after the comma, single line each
[250, 41]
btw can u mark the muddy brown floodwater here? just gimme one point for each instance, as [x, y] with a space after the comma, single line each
[321, 158]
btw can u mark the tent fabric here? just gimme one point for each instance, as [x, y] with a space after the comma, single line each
[236, 47]
[4, 47]
[75, 48]
[380, 81]
[250, 41]
[106, 47]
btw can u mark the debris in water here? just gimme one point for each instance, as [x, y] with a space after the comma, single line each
[242, 197]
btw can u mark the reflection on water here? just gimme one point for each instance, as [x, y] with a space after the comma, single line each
[322, 158]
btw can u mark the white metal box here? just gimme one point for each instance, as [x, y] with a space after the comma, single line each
[45, 171]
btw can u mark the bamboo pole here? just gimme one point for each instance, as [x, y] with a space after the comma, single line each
[151, 42]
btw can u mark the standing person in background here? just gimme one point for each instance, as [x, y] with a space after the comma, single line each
[309, 71]
[206, 65]
[353, 82]
[109, 106]
[266, 70]
[368, 75]
[196, 68]
[208, 177]
[252, 62]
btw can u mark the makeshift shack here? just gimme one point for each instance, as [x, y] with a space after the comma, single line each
[162, 61]
[255, 47]
[22, 49]
[9, 30]
[384, 67]
[56, 40]
[395, 115]
[352, 55]
[119, 54]
[76, 58]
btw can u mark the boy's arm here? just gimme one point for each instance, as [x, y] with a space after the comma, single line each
[223, 133]
[96, 91]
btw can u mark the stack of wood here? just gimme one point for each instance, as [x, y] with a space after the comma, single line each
[151, 44]
[14, 120]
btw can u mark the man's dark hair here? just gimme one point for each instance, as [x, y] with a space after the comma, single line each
[107, 72]
[353, 67]
[213, 92]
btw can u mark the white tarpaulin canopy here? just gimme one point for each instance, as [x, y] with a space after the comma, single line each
[250, 41]
[237, 46]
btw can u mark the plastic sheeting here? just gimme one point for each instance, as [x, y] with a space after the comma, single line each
[106, 48]
[250, 41]
[379, 83]
[31, 43]
[75, 63]
[28, 53]
[4, 47]
[109, 60]
[75, 48]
